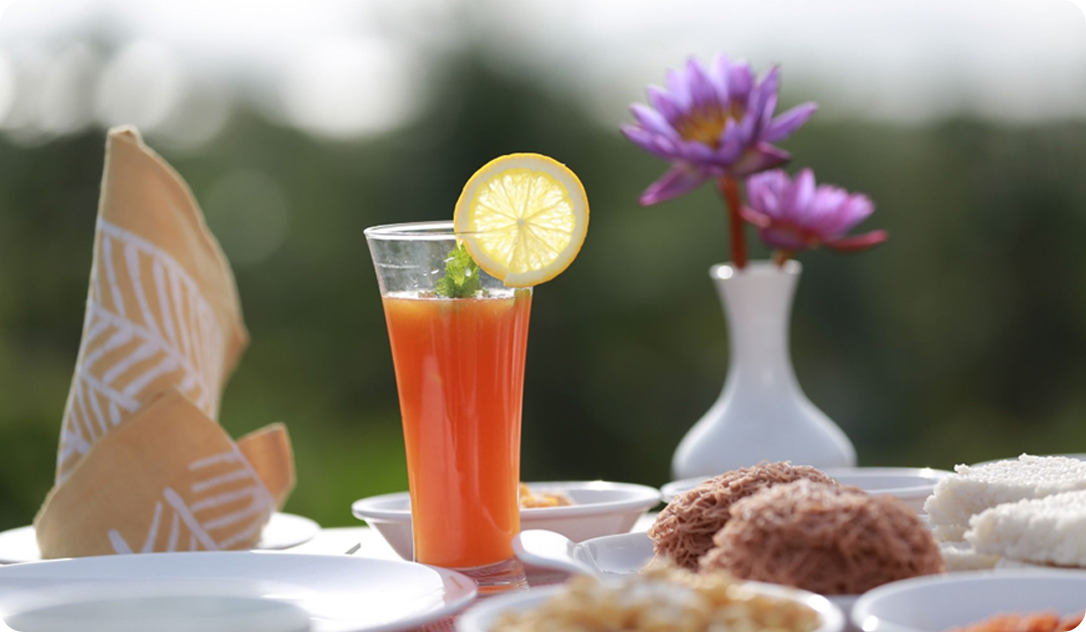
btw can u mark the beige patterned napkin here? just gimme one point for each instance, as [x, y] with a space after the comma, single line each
[162, 333]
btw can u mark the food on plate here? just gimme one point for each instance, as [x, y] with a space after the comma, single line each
[1038, 622]
[971, 490]
[961, 556]
[1049, 530]
[684, 530]
[824, 538]
[661, 598]
[530, 499]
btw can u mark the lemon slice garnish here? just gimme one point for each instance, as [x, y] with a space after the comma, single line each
[523, 218]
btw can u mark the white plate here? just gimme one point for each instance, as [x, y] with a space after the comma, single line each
[338, 593]
[283, 531]
[939, 603]
[482, 617]
[913, 485]
[602, 508]
[128, 606]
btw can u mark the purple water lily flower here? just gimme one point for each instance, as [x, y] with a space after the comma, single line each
[798, 215]
[713, 122]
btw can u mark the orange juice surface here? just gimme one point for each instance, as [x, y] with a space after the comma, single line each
[460, 375]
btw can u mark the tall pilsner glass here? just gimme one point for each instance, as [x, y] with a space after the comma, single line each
[460, 374]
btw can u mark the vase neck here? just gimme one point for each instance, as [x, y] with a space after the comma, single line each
[758, 305]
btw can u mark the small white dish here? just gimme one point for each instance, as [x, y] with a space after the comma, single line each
[600, 508]
[482, 617]
[942, 602]
[283, 531]
[336, 593]
[912, 485]
[624, 554]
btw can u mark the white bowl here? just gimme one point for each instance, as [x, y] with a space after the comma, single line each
[601, 508]
[912, 485]
[482, 616]
[941, 602]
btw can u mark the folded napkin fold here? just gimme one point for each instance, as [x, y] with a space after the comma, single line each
[142, 464]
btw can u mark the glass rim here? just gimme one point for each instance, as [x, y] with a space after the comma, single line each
[413, 231]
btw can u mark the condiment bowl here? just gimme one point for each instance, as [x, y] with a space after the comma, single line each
[600, 508]
[939, 603]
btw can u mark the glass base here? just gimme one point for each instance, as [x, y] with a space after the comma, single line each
[493, 579]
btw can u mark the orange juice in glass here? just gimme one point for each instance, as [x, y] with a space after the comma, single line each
[459, 366]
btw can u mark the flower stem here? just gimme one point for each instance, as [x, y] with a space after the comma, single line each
[729, 188]
[781, 257]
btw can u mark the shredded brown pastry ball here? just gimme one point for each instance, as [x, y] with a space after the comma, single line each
[684, 530]
[828, 539]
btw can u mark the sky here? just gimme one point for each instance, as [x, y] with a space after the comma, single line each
[315, 64]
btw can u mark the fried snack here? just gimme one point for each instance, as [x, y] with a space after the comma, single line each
[541, 499]
[662, 598]
[828, 539]
[1039, 622]
[684, 530]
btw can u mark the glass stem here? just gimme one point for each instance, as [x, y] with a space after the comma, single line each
[729, 188]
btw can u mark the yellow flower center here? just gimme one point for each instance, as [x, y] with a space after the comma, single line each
[705, 125]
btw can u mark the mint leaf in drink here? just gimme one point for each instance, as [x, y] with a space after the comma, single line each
[462, 277]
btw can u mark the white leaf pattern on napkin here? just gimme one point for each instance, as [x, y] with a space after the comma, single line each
[164, 333]
[228, 480]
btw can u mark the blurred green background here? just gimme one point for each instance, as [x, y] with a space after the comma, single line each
[962, 339]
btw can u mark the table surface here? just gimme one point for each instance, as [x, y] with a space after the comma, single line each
[340, 540]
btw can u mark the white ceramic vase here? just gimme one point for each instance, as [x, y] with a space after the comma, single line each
[762, 413]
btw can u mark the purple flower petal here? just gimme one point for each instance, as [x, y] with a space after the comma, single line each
[664, 104]
[783, 126]
[844, 215]
[733, 140]
[740, 82]
[759, 158]
[677, 181]
[719, 74]
[645, 140]
[782, 238]
[702, 93]
[859, 208]
[765, 191]
[652, 120]
[766, 117]
[856, 243]
[679, 86]
[822, 214]
[759, 98]
[800, 196]
[759, 219]
[696, 152]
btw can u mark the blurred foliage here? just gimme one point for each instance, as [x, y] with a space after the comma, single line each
[960, 340]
